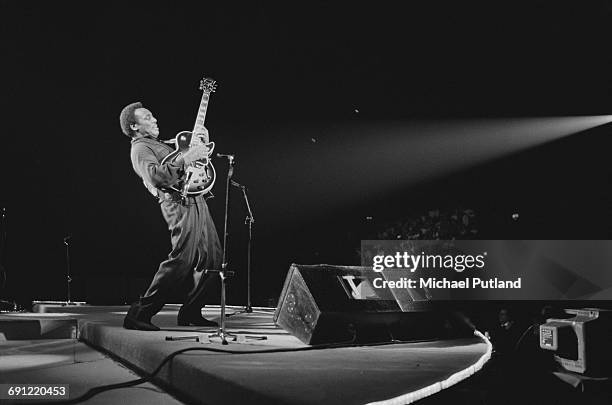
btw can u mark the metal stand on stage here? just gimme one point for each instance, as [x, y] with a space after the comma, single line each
[249, 221]
[224, 272]
[68, 301]
[68, 274]
[38, 306]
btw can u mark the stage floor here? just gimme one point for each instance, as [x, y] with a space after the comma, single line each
[68, 361]
[278, 368]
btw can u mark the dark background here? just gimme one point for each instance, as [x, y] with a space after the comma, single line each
[293, 79]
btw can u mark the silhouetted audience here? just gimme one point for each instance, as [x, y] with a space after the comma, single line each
[433, 225]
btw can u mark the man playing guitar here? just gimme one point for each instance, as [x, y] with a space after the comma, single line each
[195, 243]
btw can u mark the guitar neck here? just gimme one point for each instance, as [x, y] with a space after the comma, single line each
[198, 128]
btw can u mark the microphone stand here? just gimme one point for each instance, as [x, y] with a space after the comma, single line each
[68, 274]
[250, 220]
[223, 272]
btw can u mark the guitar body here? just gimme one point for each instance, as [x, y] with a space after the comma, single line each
[200, 176]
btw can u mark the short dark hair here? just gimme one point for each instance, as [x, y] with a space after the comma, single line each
[127, 118]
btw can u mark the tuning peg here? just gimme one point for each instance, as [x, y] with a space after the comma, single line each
[208, 85]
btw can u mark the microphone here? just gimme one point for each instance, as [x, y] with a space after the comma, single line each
[230, 158]
[67, 238]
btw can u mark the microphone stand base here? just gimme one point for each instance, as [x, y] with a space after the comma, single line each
[224, 336]
[247, 310]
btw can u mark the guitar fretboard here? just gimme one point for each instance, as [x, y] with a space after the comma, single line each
[199, 124]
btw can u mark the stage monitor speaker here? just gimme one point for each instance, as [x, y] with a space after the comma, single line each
[343, 304]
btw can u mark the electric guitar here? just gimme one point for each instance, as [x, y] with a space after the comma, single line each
[200, 175]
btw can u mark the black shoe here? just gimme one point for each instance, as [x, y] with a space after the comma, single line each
[137, 318]
[132, 323]
[194, 319]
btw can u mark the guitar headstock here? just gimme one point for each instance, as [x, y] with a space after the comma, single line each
[208, 85]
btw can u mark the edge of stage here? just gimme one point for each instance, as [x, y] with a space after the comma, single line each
[278, 369]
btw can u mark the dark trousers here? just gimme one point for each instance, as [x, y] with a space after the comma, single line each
[195, 248]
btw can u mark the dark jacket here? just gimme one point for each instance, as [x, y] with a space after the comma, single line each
[146, 156]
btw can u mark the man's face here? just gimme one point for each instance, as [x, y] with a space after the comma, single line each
[146, 124]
